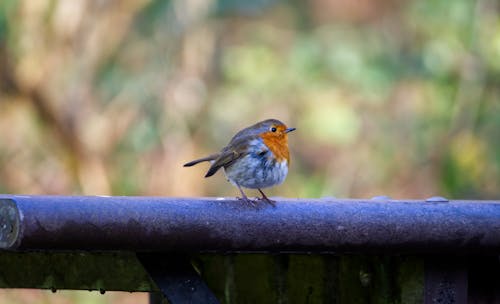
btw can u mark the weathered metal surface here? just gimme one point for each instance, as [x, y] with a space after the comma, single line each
[9, 223]
[100, 271]
[446, 280]
[304, 278]
[228, 225]
[176, 278]
[234, 278]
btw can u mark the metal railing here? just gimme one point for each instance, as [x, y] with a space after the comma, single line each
[436, 230]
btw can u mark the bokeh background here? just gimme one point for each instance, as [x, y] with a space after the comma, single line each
[396, 98]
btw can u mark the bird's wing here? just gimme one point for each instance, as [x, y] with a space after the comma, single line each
[224, 159]
[236, 149]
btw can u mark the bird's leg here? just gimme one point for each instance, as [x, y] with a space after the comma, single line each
[244, 196]
[265, 198]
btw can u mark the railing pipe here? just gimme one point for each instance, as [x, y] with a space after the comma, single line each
[228, 225]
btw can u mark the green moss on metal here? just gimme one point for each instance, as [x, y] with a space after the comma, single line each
[234, 278]
[305, 279]
[411, 280]
[380, 279]
[213, 270]
[302, 278]
[73, 270]
[254, 279]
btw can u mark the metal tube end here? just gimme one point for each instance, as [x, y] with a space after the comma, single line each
[9, 223]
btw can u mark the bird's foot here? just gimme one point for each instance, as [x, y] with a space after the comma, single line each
[247, 200]
[266, 199]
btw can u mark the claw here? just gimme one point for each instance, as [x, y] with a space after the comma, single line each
[247, 200]
[265, 198]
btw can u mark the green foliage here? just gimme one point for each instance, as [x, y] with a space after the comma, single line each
[7, 7]
[374, 97]
[400, 86]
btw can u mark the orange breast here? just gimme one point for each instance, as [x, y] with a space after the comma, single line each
[278, 145]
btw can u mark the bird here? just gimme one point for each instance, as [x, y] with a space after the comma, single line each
[256, 157]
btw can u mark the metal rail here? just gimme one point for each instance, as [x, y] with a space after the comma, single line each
[325, 225]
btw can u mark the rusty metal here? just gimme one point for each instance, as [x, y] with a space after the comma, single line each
[227, 225]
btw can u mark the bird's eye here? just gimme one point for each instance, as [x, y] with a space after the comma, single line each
[273, 129]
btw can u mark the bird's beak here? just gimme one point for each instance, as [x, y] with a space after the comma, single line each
[289, 130]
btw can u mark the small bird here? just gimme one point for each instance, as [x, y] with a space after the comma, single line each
[256, 157]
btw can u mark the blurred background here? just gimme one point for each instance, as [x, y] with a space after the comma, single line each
[396, 98]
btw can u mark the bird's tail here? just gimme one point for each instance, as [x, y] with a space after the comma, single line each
[196, 161]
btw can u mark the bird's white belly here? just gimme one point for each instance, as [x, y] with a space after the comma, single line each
[251, 172]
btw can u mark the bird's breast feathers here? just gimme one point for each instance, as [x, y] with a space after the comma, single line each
[278, 145]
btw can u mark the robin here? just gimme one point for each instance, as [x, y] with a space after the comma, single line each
[256, 157]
